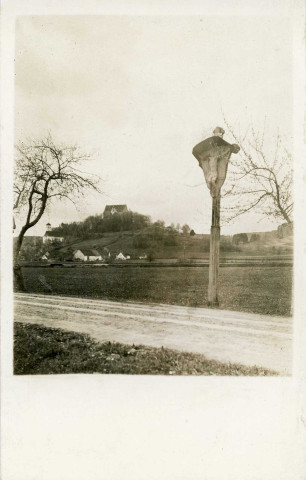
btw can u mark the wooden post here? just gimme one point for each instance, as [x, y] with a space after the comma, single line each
[214, 253]
[213, 155]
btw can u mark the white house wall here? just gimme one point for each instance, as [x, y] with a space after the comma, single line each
[79, 255]
[47, 239]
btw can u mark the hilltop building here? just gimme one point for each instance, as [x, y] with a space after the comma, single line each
[49, 238]
[114, 209]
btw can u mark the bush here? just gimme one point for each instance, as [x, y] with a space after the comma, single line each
[151, 255]
[141, 241]
[205, 245]
[254, 237]
[227, 246]
[170, 241]
[240, 238]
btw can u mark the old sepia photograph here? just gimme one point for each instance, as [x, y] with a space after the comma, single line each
[153, 200]
[152, 240]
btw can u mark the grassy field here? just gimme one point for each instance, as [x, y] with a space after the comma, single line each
[41, 350]
[265, 290]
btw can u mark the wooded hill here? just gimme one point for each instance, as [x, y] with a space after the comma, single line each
[135, 235]
[94, 226]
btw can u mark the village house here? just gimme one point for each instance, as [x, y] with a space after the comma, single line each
[114, 209]
[120, 256]
[87, 255]
[49, 238]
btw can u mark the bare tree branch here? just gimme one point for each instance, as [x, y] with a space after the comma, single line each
[260, 179]
[44, 171]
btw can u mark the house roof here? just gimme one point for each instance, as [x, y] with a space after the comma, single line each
[119, 208]
[89, 252]
[95, 252]
[50, 234]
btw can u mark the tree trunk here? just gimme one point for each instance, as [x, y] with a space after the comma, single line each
[286, 217]
[19, 285]
[18, 279]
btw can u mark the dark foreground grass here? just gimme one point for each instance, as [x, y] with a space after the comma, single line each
[41, 350]
[264, 290]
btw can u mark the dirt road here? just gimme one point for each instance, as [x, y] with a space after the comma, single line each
[223, 335]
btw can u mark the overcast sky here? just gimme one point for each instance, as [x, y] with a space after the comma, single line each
[140, 91]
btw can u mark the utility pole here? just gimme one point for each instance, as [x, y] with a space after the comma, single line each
[213, 155]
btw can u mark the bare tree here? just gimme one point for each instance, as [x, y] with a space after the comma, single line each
[260, 177]
[44, 172]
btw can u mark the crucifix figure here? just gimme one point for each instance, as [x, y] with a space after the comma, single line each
[213, 155]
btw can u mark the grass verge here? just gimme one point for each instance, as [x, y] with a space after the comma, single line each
[41, 350]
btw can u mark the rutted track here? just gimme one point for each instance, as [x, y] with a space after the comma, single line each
[224, 335]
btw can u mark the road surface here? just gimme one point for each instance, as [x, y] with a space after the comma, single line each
[224, 335]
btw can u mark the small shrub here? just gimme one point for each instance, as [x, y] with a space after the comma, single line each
[240, 238]
[141, 241]
[170, 241]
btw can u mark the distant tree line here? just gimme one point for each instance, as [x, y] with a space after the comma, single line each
[243, 238]
[33, 250]
[226, 245]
